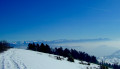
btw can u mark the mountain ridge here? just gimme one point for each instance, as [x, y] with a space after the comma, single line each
[112, 59]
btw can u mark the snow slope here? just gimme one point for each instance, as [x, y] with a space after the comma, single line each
[25, 59]
[112, 59]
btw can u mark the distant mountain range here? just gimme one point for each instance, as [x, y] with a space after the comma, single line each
[23, 44]
[79, 45]
[59, 41]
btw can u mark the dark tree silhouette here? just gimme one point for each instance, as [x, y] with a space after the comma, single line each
[31, 46]
[37, 47]
[72, 54]
[59, 51]
[70, 58]
[75, 53]
[42, 48]
[66, 52]
[4, 45]
[47, 49]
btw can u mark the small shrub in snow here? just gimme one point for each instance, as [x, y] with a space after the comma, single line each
[70, 58]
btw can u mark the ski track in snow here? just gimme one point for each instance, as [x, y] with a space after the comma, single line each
[9, 62]
[26, 59]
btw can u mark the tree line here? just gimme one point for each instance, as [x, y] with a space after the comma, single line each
[71, 54]
[4, 45]
[104, 65]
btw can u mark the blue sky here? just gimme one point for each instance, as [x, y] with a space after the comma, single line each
[59, 19]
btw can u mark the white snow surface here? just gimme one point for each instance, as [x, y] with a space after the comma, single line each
[112, 59]
[26, 59]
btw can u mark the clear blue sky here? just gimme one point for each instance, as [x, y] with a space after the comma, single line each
[59, 19]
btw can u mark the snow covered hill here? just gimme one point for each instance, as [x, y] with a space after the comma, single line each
[25, 59]
[112, 59]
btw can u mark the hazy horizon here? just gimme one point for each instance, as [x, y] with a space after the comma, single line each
[98, 47]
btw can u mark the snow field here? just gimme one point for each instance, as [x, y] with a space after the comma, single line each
[26, 59]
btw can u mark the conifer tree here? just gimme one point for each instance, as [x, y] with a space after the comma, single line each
[30, 46]
[70, 58]
[60, 51]
[42, 48]
[48, 50]
[37, 47]
[66, 52]
[4, 45]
